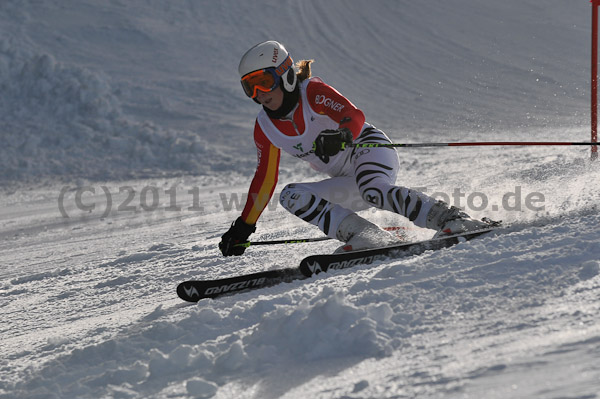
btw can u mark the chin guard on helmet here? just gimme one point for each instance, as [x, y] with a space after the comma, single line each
[289, 78]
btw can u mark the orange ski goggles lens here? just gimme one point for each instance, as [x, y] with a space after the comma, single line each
[264, 80]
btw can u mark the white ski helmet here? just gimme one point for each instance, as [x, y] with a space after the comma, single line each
[270, 54]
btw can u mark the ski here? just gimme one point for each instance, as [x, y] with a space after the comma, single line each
[195, 290]
[316, 264]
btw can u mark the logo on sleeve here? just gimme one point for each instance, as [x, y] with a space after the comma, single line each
[328, 103]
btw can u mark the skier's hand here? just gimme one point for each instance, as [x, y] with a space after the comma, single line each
[238, 233]
[329, 142]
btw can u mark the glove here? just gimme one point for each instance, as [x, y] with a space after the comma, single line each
[238, 233]
[329, 142]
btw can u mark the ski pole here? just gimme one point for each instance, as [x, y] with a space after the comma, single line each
[467, 144]
[274, 242]
[300, 240]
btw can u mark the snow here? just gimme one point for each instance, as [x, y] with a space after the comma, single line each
[127, 150]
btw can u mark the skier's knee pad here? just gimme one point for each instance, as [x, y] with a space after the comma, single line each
[372, 196]
[374, 192]
[294, 197]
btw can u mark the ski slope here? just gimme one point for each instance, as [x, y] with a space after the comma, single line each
[127, 149]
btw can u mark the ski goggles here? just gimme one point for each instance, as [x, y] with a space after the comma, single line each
[266, 79]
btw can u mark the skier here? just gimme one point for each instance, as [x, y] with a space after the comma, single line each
[310, 120]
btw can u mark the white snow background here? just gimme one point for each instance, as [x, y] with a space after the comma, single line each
[126, 140]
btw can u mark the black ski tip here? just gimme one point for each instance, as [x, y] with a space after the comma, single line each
[188, 292]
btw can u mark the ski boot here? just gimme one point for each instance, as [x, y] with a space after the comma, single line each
[359, 233]
[451, 220]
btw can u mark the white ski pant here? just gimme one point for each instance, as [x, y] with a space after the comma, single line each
[368, 181]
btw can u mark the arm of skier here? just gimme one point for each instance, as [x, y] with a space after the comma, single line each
[326, 100]
[260, 192]
[265, 178]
